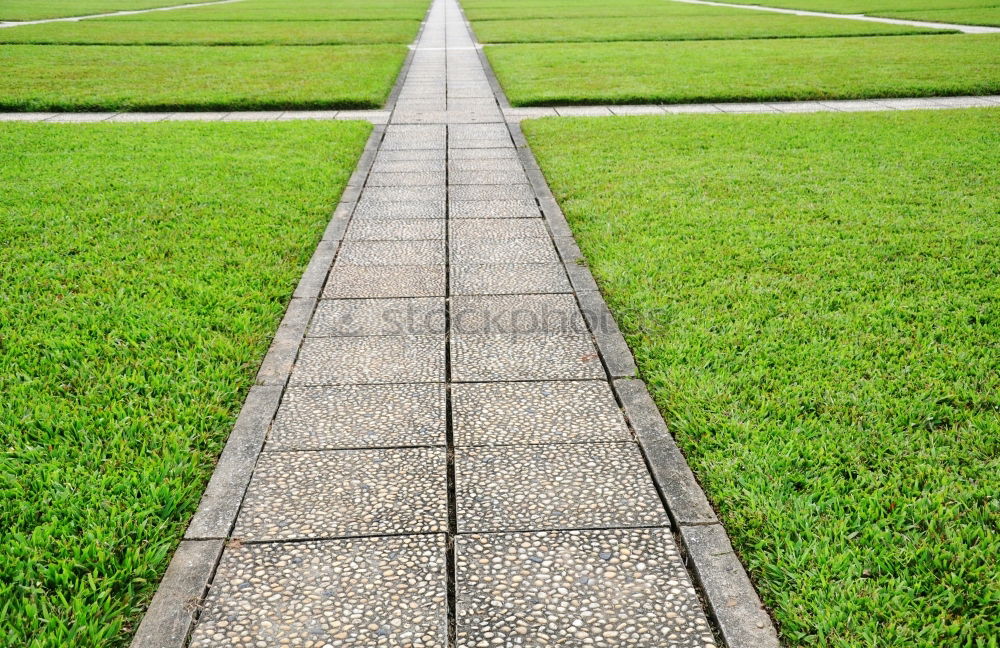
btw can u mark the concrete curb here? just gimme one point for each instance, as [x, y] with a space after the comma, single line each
[611, 343]
[221, 502]
[732, 600]
[176, 604]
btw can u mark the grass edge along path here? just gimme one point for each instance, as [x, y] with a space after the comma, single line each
[817, 321]
[747, 70]
[146, 268]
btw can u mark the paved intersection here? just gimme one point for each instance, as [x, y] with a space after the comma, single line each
[459, 453]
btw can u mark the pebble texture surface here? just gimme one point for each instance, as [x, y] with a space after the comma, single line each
[339, 493]
[354, 416]
[619, 588]
[536, 412]
[352, 592]
[514, 488]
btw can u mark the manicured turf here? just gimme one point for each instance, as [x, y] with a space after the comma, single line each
[813, 302]
[973, 16]
[69, 77]
[145, 269]
[39, 9]
[727, 24]
[215, 32]
[476, 10]
[753, 70]
[298, 10]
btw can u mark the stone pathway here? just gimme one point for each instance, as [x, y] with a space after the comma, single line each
[19, 23]
[447, 445]
[965, 29]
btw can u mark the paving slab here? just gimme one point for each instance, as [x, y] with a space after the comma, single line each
[621, 587]
[484, 164]
[411, 155]
[341, 493]
[370, 209]
[498, 279]
[388, 316]
[498, 153]
[477, 251]
[402, 229]
[405, 194]
[541, 487]
[486, 414]
[515, 315]
[491, 192]
[391, 253]
[493, 209]
[384, 165]
[357, 416]
[406, 179]
[544, 356]
[497, 229]
[370, 360]
[354, 281]
[388, 591]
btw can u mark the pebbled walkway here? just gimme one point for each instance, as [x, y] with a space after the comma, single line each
[447, 445]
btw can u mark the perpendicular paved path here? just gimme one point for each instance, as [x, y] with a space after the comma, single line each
[447, 445]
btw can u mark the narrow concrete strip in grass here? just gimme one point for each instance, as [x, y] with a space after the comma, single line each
[379, 116]
[773, 107]
[965, 29]
[21, 23]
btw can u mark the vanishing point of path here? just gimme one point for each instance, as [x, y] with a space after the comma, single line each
[447, 446]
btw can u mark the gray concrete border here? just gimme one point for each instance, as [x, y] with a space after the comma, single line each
[176, 604]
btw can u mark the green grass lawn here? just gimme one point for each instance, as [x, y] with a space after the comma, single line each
[255, 10]
[145, 270]
[17, 10]
[813, 300]
[98, 77]
[727, 24]
[215, 32]
[476, 10]
[747, 70]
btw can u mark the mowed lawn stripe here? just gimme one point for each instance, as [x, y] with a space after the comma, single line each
[113, 31]
[145, 270]
[98, 77]
[748, 70]
[813, 302]
[277, 10]
[728, 24]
